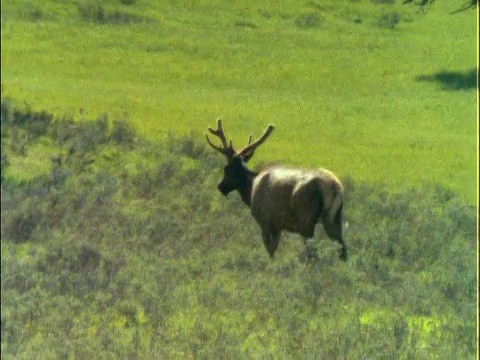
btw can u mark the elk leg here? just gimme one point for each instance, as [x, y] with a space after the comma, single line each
[334, 232]
[310, 251]
[270, 240]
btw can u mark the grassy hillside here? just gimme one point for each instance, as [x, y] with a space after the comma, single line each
[374, 90]
[115, 242]
[126, 250]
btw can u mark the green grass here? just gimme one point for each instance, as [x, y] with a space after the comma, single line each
[127, 250]
[137, 255]
[340, 80]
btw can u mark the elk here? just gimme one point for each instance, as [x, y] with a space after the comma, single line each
[282, 198]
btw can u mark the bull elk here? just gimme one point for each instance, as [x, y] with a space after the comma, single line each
[282, 198]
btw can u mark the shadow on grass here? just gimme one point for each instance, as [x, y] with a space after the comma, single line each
[471, 5]
[453, 80]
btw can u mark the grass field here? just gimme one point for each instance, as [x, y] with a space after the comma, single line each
[115, 243]
[136, 255]
[373, 90]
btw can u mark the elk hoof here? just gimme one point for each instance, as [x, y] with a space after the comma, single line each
[343, 254]
[309, 254]
[312, 257]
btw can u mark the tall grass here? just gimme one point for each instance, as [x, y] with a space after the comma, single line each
[124, 248]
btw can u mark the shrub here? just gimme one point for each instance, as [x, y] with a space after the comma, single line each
[31, 12]
[61, 130]
[6, 112]
[389, 20]
[4, 162]
[308, 21]
[146, 259]
[122, 132]
[36, 123]
[91, 11]
[22, 127]
[94, 11]
[189, 145]
[19, 222]
[76, 140]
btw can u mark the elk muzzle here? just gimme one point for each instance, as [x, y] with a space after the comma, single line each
[224, 188]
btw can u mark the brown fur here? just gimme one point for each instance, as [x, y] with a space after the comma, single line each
[282, 198]
[295, 200]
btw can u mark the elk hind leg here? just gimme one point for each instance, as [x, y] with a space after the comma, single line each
[334, 232]
[271, 239]
[310, 252]
[307, 232]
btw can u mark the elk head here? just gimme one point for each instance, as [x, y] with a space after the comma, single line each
[236, 176]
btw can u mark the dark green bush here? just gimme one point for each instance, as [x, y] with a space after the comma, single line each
[308, 20]
[6, 112]
[190, 146]
[36, 123]
[122, 132]
[96, 12]
[87, 135]
[20, 128]
[4, 162]
[32, 12]
[91, 11]
[21, 216]
[389, 20]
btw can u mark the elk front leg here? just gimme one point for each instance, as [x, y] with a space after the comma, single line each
[334, 232]
[271, 239]
[307, 230]
[309, 253]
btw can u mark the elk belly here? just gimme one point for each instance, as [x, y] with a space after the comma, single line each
[271, 204]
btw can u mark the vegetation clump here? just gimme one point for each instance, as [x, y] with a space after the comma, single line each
[389, 20]
[133, 253]
[308, 20]
[96, 12]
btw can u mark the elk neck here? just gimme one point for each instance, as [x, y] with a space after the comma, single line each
[245, 189]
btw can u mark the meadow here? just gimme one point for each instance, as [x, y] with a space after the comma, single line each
[115, 241]
[370, 89]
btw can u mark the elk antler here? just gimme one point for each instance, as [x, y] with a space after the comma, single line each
[251, 147]
[226, 150]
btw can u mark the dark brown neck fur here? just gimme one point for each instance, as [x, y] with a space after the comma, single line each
[246, 189]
